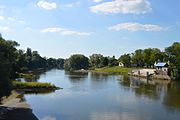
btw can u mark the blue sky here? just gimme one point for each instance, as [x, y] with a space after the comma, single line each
[60, 28]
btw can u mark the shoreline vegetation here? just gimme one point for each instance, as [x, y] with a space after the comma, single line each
[34, 86]
[113, 70]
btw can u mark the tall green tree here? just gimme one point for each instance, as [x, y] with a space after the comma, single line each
[76, 62]
[113, 61]
[7, 59]
[137, 58]
[126, 60]
[173, 53]
[96, 60]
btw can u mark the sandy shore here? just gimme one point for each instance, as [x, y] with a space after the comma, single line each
[14, 107]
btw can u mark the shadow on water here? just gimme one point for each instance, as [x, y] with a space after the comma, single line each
[76, 76]
[36, 76]
[168, 92]
[172, 97]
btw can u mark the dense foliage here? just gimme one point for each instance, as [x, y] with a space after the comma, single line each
[173, 53]
[143, 58]
[7, 57]
[31, 60]
[76, 62]
[13, 61]
[99, 61]
[148, 57]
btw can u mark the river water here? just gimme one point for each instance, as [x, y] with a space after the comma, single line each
[95, 96]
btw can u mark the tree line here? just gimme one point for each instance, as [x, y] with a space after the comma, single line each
[13, 61]
[141, 58]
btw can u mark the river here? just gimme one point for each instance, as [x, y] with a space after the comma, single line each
[95, 96]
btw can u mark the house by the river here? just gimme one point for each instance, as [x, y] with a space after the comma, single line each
[161, 68]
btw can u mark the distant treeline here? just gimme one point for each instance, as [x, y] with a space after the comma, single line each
[140, 58]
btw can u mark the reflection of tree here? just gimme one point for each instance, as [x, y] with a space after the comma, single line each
[36, 75]
[76, 76]
[155, 89]
[99, 76]
[172, 98]
[147, 90]
[143, 87]
[124, 80]
[99, 79]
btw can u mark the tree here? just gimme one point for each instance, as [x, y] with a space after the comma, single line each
[60, 63]
[173, 53]
[126, 60]
[137, 58]
[76, 62]
[7, 59]
[96, 60]
[105, 61]
[113, 61]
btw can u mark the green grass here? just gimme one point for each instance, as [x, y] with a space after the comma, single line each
[33, 85]
[114, 70]
[25, 75]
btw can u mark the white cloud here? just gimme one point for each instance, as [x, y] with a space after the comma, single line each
[64, 31]
[73, 4]
[21, 21]
[96, 1]
[48, 118]
[46, 5]
[11, 18]
[5, 29]
[135, 27]
[1, 18]
[123, 6]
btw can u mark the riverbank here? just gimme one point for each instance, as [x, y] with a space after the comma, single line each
[137, 72]
[113, 70]
[149, 74]
[14, 107]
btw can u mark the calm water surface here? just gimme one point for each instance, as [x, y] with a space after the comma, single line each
[92, 96]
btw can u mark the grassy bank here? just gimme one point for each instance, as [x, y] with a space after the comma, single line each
[33, 86]
[113, 70]
[25, 75]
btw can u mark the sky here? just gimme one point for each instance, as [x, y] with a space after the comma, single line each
[60, 28]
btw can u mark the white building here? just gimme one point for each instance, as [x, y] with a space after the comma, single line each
[162, 67]
[121, 64]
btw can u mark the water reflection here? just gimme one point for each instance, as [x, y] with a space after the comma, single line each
[172, 96]
[166, 91]
[76, 76]
[36, 76]
[94, 96]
